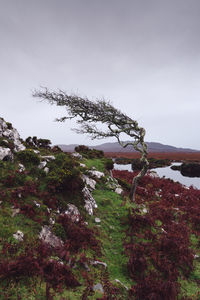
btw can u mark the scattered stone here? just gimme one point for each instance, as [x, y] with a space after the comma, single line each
[15, 211]
[42, 164]
[82, 165]
[112, 183]
[98, 287]
[48, 237]
[118, 281]
[90, 182]
[36, 204]
[118, 190]
[77, 155]
[90, 203]
[97, 220]
[145, 211]
[51, 221]
[48, 157]
[97, 262]
[19, 236]
[21, 168]
[157, 194]
[86, 266]
[73, 212]
[5, 154]
[36, 151]
[5, 141]
[96, 174]
[46, 170]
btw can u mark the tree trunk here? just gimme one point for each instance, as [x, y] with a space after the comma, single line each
[137, 178]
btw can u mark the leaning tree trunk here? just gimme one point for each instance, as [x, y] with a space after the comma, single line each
[136, 180]
[144, 162]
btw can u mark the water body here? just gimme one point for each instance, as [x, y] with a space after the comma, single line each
[167, 172]
[126, 167]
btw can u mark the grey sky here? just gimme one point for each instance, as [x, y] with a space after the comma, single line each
[143, 56]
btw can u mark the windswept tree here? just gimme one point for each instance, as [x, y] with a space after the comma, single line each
[91, 114]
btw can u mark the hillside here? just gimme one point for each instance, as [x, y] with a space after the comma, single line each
[115, 147]
[69, 231]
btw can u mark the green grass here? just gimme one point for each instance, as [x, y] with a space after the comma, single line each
[111, 211]
[97, 163]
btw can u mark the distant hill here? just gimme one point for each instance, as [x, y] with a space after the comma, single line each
[115, 147]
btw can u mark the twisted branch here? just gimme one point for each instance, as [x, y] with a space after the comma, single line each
[89, 113]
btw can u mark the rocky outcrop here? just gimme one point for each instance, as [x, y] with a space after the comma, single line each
[113, 184]
[73, 212]
[49, 238]
[89, 182]
[96, 174]
[90, 203]
[9, 136]
[5, 154]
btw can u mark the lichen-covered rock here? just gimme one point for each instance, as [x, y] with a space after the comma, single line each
[15, 211]
[98, 287]
[46, 170]
[77, 155]
[36, 151]
[48, 157]
[97, 220]
[5, 154]
[118, 281]
[7, 131]
[73, 212]
[90, 203]
[96, 174]
[119, 190]
[113, 184]
[42, 164]
[48, 237]
[19, 236]
[21, 168]
[89, 181]
[82, 165]
[97, 262]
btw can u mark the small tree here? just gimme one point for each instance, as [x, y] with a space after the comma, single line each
[91, 113]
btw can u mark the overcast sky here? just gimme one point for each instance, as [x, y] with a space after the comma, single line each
[142, 55]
